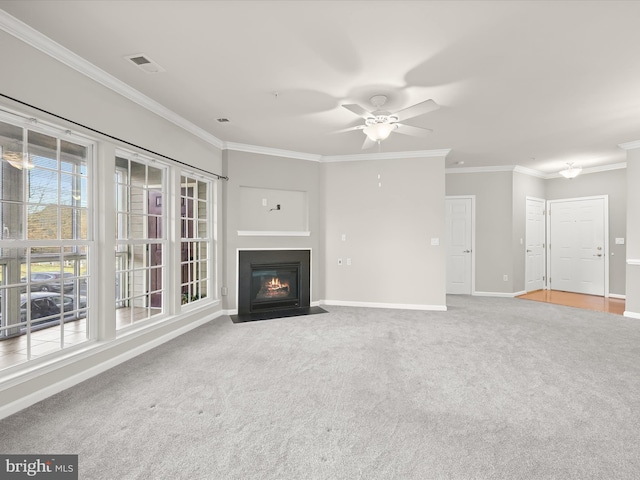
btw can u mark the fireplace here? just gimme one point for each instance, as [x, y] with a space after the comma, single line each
[273, 283]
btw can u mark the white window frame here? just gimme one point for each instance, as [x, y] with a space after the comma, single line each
[210, 240]
[164, 241]
[62, 134]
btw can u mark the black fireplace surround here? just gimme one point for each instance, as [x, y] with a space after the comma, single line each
[273, 283]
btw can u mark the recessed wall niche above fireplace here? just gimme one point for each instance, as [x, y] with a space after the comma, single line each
[273, 284]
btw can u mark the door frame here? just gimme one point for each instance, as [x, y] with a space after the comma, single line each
[473, 237]
[545, 283]
[606, 253]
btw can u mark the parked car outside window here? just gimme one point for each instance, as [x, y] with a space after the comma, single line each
[50, 282]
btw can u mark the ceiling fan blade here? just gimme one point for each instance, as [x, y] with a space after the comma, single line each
[368, 143]
[413, 131]
[358, 110]
[417, 109]
[350, 129]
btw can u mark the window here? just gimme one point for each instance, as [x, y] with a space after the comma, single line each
[140, 239]
[196, 238]
[45, 241]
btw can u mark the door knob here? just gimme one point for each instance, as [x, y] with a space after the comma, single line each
[466, 251]
[597, 255]
[529, 251]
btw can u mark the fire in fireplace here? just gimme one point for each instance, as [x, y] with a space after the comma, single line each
[274, 286]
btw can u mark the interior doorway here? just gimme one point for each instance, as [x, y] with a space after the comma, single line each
[459, 231]
[578, 245]
[535, 234]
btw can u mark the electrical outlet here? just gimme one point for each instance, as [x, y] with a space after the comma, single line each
[349, 261]
[505, 278]
[264, 202]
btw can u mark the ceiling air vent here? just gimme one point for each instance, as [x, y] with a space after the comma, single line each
[144, 63]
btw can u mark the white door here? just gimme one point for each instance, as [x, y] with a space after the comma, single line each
[459, 239]
[577, 245]
[535, 239]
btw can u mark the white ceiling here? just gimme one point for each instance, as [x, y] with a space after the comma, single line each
[530, 83]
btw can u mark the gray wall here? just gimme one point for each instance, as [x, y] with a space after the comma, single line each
[281, 178]
[494, 229]
[633, 231]
[614, 184]
[389, 223]
[501, 220]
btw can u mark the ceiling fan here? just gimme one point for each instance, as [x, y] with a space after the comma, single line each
[379, 124]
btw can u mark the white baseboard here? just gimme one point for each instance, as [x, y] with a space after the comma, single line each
[498, 294]
[632, 315]
[615, 295]
[39, 395]
[397, 306]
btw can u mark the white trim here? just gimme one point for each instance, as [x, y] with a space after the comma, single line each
[396, 306]
[386, 155]
[632, 315]
[27, 34]
[531, 172]
[586, 171]
[97, 348]
[633, 261]
[498, 168]
[268, 233]
[616, 295]
[499, 294]
[630, 145]
[276, 152]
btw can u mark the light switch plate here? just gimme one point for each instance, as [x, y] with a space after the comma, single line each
[619, 241]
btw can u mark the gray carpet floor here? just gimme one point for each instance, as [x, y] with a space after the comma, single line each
[492, 389]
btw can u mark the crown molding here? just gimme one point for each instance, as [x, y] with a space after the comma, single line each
[629, 145]
[505, 168]
[586, 171]
[531, 172]
[276, 152]
[32, 37]
[242, 147]
[386, 155]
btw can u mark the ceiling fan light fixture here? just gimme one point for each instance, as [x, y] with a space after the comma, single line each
[379, 131]
[15, 159]
[571, 171]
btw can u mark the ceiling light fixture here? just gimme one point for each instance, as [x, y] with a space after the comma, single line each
[15, 159]
[571, 171]
[378, 131]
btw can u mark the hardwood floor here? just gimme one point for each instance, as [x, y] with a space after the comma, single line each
[13, 350]
[578, 300]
